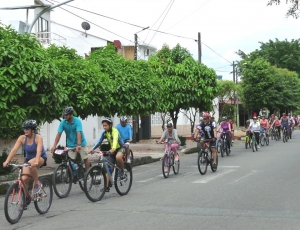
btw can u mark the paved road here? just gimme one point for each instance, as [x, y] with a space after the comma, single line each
[249, 191]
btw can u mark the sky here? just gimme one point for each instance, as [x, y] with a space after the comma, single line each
[225, 25]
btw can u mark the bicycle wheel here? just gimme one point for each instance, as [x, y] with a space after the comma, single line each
[222, 148]
[219, 144]
[211, 162]
[262, 139]
[256, 146]
[123, 185]
[267, 141]
[80, 176]
[166, 166]
[253, 144]
[95, 183]
[284, 137]
[62, 181]
[131, 158]
[246, 142]
[43, 199]
[13, 207]
[176, 166]
[202, 163]
[227, 149]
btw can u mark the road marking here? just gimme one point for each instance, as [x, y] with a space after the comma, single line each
[242, 178]
[147, 180]
[206, 180]
[233, 167]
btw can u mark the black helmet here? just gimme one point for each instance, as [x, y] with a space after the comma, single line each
[169, 124]
[68, 110]
[108, 120]
[29, 124]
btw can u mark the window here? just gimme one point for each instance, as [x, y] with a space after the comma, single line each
[156, 119]
[43, 28]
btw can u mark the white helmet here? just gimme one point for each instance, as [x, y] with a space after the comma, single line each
[201, 118]
[123, 119]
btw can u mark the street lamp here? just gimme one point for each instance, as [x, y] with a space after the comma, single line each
[136, 42]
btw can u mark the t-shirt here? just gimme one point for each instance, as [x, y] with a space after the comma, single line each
[71, 130]
[284, 121]
[264, 123]
[174, 136]
[125, 131]
[255, 127]
[208, 130]
[225, 126]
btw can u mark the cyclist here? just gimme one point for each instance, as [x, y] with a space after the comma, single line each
[277, 125]
[264, 125]
[75, 137]
[285, 123]
[209, 131]
[292, 124]
[232, 126]
[170, 134]
[226, 127]
[258, 119]
[272, 119]
[126, 135]
[255, 128]
[35, 153]
[117, 150]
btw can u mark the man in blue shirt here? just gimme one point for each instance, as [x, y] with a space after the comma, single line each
[126, 135]
[75, 137]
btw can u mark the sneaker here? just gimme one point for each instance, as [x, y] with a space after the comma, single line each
[258, 147]
[214, 165]
[232, 141]
[166, 168]
[128, 160]
[37, 188]
[121, 175]
[176, 157]
[106, 189]
[28, 201]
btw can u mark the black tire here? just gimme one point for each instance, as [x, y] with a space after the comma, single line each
[131, 158]
[267, 141]
[176, 165]
[95, 183]
[12, 193]
[211, 163]
[262, 140]
[166, 163]
[283, 137]
[202, 163]
[246, 142]
[124, 186]
[222, 148]
[252, 145]
[256, 146]
[80, 172]
[227, 150]
[219, 144]
[44, 198]
[286, 137]
[62, 180]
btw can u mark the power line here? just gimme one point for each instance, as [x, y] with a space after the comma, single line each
[216, 52]
[94, 24]
[100, 15]
[158, 19]
[189, 15]
[223, 66]
[161, 22]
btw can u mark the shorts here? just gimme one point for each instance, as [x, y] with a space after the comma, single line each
[286, 127]
[212, 144]
[83, 153]
[45, 161]
[112, 157]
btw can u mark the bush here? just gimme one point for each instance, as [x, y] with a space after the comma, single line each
[182, 140]
[7, 170]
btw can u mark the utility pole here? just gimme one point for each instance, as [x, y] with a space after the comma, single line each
[135, 119]
[199, 47]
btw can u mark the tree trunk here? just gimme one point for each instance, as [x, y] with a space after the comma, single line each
[174, 116]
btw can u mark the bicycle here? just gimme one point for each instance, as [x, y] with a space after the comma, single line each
[68, 172]
[263, 138]
[247, 140]
[273, 133]
[95, 178]
[253, 142]
[219, 143]
[169, 161]
[18, 196]
[206, 157]
[284, 135]
[224, 145]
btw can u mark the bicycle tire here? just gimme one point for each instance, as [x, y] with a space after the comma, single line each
[246, 142]
[219, 143]
[256, 146]
[80, 172]
[227, 150]
[267, 141]
[44, 198]
[166, 163]
[253, 145]
[222, 148]
[11, 199]
[202, 163]
[283, 137]
[62, 180]
[124, 186]
[176, 165]
[94, 181]
[211, 163]
[261, 140]
[131, 158]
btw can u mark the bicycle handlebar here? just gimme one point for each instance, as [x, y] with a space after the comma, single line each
[101, 153]
[20, 165]
[63, 151]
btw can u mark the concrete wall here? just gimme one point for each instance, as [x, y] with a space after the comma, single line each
[9, 144]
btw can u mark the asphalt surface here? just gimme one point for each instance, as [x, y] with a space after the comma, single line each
[250, 190]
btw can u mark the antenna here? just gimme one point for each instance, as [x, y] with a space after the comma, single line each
[86, 26]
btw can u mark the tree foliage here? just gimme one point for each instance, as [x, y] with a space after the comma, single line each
[226, 92]
[292, 11]
[186, 83]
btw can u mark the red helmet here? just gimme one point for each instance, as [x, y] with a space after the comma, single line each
[206, 115]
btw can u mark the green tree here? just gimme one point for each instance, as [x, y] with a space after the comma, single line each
[135, 89]
[292, 11]
[186, 83]
[29, 81]
[226, 92]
